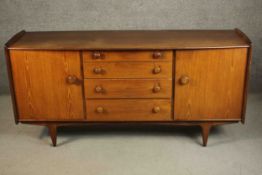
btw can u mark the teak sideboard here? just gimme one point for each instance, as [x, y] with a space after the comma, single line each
[176, 77]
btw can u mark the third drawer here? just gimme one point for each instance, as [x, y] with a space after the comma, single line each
[128, 88]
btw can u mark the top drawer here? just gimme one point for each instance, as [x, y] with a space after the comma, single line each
[90, 56]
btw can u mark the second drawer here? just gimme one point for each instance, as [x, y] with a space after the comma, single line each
[128, 70]
[128, 88]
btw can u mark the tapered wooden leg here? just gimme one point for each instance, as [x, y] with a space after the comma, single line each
[53, 133]
[205, 131]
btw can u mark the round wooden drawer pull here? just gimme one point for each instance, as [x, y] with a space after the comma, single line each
[156, 109]
[184, 80]
[98, 70]
[99, 89]
[157, 55]
[99, 109]
[157, 70]
[156, 88]
[97, 55]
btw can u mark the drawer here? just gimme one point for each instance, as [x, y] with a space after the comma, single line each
[128, 88]
[128, 69]
[127, 56]
[128, 110]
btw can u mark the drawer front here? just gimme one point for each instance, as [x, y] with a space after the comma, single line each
[128, 70]
[128, 110]
[128, 88]
[90, 56]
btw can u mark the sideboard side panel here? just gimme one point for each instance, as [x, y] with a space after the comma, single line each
[41, 90]
[248, 66]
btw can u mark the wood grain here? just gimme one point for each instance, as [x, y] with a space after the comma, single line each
[11, 84]
[128, 69]
[130, 40]
[9, 71]
[206, 87]
[216, 84]
[128, 88]
[128, 110]
[88, 56]
[42, 92]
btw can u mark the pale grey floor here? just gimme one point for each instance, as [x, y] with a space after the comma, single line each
[232, 149]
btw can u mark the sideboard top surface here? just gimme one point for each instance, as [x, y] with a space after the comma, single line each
[129, 40]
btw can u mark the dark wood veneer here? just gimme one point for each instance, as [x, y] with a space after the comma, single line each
[131, 40]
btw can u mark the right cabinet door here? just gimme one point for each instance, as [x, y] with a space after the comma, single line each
[209, 84]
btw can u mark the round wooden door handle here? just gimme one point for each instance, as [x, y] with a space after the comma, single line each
[156, 88]
[97, 55]
[157, 70]
[100, 109]
[157, 54]
[99, 89]
[98, 70]
[184, 80]
[156, 109]
[72, 79]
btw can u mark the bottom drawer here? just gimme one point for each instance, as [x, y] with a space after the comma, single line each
[128, 110]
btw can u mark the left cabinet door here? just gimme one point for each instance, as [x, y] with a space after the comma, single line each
[47, 85]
